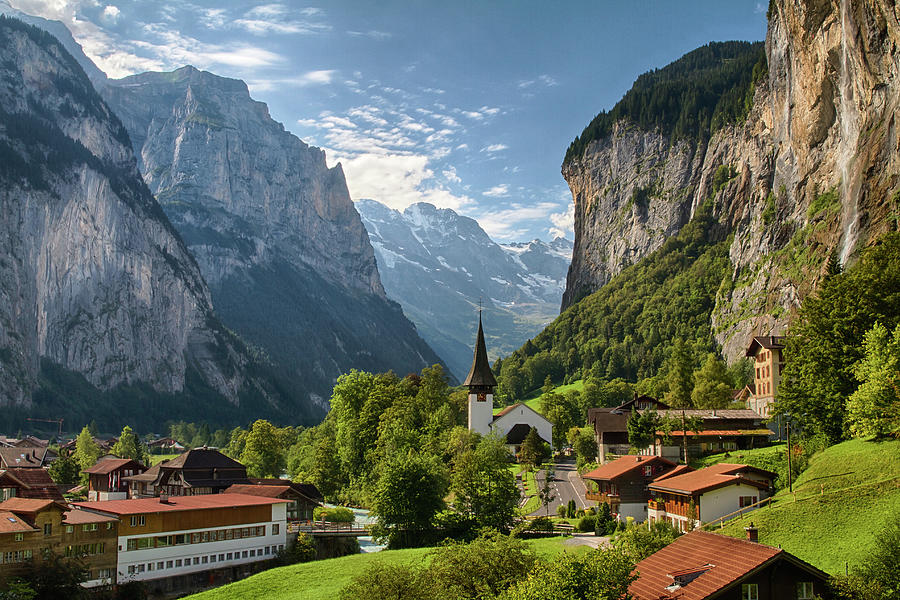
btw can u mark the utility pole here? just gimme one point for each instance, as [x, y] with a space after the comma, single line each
[684, 436]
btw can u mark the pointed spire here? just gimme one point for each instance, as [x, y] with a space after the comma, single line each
[480, 374]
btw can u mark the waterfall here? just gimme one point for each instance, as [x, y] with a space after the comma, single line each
[847, 145]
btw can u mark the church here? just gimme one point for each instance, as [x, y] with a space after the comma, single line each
[513, 422]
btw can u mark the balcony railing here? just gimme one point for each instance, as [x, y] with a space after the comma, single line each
[602, 497]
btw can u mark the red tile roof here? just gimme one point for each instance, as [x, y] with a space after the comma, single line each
[37, 484]
[623, 465]
[507, 410]
[729, 560]
[10, 523]
[715, 476]
[718, 432]
[108, 465]
[175, 503]
[29, 505]
[678, 470]
[80, 517]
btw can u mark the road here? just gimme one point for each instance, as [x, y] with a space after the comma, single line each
[566, 485]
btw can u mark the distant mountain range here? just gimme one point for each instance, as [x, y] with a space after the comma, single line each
[439, 265]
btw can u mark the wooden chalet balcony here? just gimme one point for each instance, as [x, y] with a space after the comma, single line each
[654, 505]
[612, 499]
[675, 508]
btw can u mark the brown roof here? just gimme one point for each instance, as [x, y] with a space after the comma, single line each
[723, 562]
[629, 405]
[307, 489]
[23, 458]
[29, 505]
[623, 465]
[149, 475]
[605, 419]
[712, 477]
[266, 491]
[10, 523]
[202, 458]
[678, 470]
[507, 410]
[719, 432]
[769, 342]
[108, 465]
[80, 517]
[36, 483]
[480, 374]
[708, 413]
[174, 503]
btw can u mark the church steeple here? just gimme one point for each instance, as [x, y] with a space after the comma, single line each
[481, 384]
[480, 375]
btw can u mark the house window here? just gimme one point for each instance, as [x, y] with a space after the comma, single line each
[648, 470]
[89, 527]
[105, 574]
[746, 501]
[138, 521]
[805, 590]
[275, 529]
[178, 562]
[749, 591]
[168, 564]
[48, 528]
[109, 525]
[159, 565]
[70, 529]
[20, 537]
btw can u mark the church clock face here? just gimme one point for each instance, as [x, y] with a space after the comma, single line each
[482, 396]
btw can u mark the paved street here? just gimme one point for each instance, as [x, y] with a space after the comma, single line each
[566, 485]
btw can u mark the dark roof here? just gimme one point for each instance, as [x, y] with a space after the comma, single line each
[769, 342]
[624, 465]
[480, 374]
[149, 475]
[36, 483]
[307, 489]
[606, 419]
[266, 491]
[629, 406]
[711, 414]
[202, 458]
[23, 458]
[108, 465]
[721, 561]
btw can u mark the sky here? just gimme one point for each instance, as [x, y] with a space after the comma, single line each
[465, 104]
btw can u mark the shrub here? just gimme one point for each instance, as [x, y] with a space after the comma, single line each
[541, 524]
[337, 514]
[586, 523]
[561, 511]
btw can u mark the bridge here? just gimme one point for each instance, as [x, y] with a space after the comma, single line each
[326, 529]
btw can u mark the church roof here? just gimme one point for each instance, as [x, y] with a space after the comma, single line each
[480, 373]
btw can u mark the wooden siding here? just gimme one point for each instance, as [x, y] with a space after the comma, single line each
[208, 518]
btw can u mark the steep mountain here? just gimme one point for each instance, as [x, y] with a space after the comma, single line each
[274, 231]
[439, 265]
[101, 301]
[773, 158]
[806, 168]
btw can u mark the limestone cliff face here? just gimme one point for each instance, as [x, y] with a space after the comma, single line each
[812, 171]
[92, 275]
[274, 230]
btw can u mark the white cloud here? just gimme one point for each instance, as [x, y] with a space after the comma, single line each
[513, 221]
[760, 9]
[498, 191]
[563, 222]
[379, 36]
[111, 13]
[495, 148]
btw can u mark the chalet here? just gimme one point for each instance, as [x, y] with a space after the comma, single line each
[176, 543]
[106, 479]
[514, 422]
[722, 431]
[691, 498]
[165, 445]
[307, 489]
[768, 363]
[25, 458]
[610, 425]
[623, 484]
[196, 472]
[702, 565]
[300, 507]
[143, 485]
[28, 483]
[27, 526]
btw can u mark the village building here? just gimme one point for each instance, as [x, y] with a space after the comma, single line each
[512, 423]
[28, 483]
[27, 526]
[723, 430]
[300, 506]
[106, 478]
[175, 543]
[165, 445]
[25, 458]
[610, 425]
[196, 472]
[690, 499]
[768, 363]
[702, 565]
[623, 484]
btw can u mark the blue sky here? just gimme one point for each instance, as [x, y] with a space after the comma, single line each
[468, 105]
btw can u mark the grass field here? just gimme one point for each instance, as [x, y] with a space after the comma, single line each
[323, 579]
[753, 456]
[533, 399]
[848, 494]
[158, 458]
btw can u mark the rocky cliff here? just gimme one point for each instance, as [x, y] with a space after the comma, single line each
[810, 171]
[274, 230]
[439, 265]
[93, 278]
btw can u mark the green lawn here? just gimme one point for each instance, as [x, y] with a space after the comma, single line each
[158, 458]
[533, 399]
[848, 493]
[323, 579]
[754, 457]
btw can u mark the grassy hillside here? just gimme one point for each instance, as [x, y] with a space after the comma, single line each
[533, 400]
[323, 579]
[839, 503]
